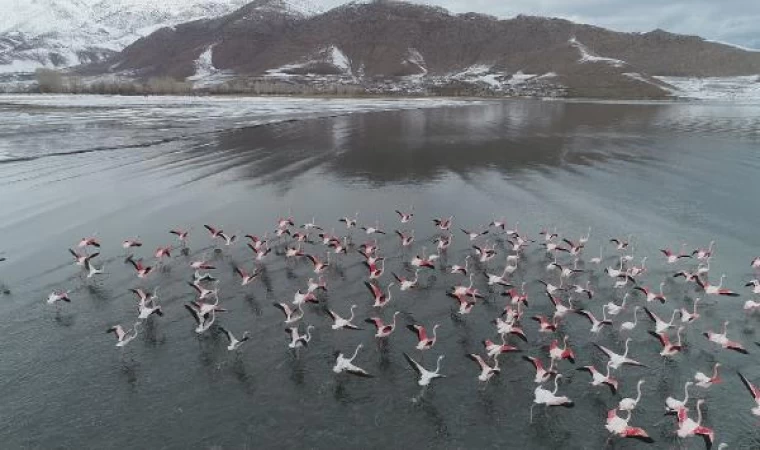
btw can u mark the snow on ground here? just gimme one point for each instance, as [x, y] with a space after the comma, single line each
[740, 47]
[745, 88]
[331, 55]
[588, 56]
[206, 75]
[415, 58]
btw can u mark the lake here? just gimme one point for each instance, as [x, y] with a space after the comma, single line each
[666, 173]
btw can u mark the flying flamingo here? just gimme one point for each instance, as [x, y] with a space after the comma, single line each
[596, 324]
[486, 372]
[617, 360]
[660, 326]
[343, 364]
[754, 391]
[291, 315]
[89, 241]
[339, 322]
[671, 257]
[543, 396]
[674, 405]
[443, 224]
[689, 317]
[494, 350]
[542, 374]
[297, 339]
[406, 239]
[425, 376]
[235, 343]
[597, 379]
[722, 340]
[246, 278]
[405, 283]
[381, 298]
[123, 338]
[504, 328]
[557, 353]
[628, 403]
[651, 295]
[57, 296]
[688, 428]
[619, 427]
[702, 253]
[182, 235]
[669, 348]
[715, 290]
[629, 326]
[405, 217]
[457, 269]
[383, 330]
[705, 381]
[424, 342]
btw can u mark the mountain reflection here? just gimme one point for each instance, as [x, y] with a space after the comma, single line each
[421, 146]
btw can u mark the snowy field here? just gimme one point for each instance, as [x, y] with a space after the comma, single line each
[742, 89]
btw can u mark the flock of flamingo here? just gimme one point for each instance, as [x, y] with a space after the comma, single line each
[567, 285]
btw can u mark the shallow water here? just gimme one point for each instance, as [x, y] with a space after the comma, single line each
[666, 173]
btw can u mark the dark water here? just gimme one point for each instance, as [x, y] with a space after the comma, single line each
[667, 173]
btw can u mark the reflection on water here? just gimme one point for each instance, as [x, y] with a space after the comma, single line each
[668, 173]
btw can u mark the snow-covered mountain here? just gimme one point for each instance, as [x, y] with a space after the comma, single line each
[61, 33]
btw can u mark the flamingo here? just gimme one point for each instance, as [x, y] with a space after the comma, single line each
[299, 298]
[79, 257]
[381, 298]
[131, 243]
[669, 348]
[213, 231]
[373, 230]
[754, 391]
[465, 306]
[89, 241]
[383, 330]
[343, 364]
[474, 235]
[339, 322]
[142, 270]
[484, 253]
[57, 296]
[597, 379]
[597, 260]
[722, 340]
[544, 325]
[235, 343]
[493, 349]
[715, 290]
[406, 284]
[543, 396]
[311, 225]
[702, 253]
[425, 376]
[674, 405]
[457, 269]
[319, 265]
[688, 428]
[705, 381]
[405, 217]
[755, 264]
[613, 272]
[182, 235]
[144, 311]
[246, 278]
[628, 403]
[291, 315]
[297, 339]
[542, 374]
[423, 261]
[578, 289]
[558, 353]
[560, 310]
[498, 279]
[660, 326]
[596, 324]
[672, 258]
[640, 270]
[293, 252]
[504, 328]
[755, 284]
[443, 224]
[617, 360]
[313, 286]
[629, 326]
[90, 267]
[618, 426]
[406, 239]
[689, 317]
[651, 295]
[424, 342]
[350, 221]
[203, 321]
[516, 297]
[614, 309]
[376, 271]
[203, 293]
[622, 244]
[123, 338]
[486, 372]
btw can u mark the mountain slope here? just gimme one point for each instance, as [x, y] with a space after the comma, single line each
[60, 33]
[389, 45]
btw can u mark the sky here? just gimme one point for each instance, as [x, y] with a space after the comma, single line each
[731, 21]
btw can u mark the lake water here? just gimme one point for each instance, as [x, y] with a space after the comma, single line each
[668, 173]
